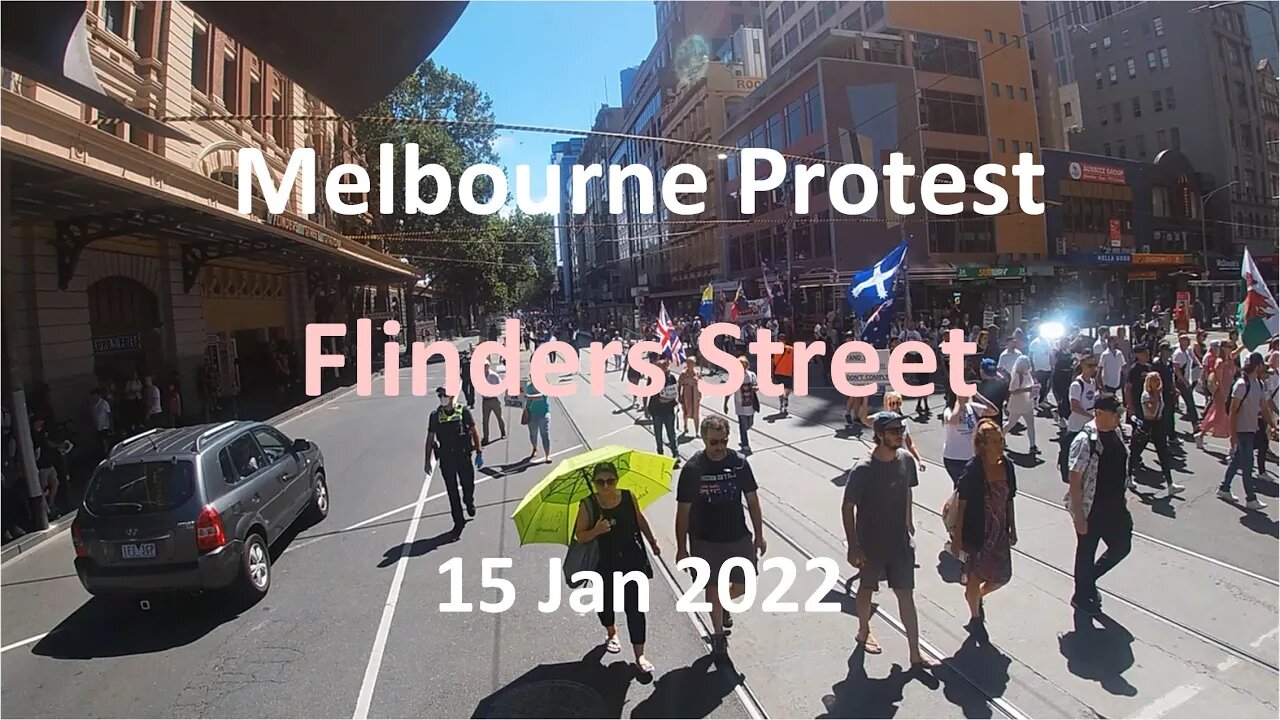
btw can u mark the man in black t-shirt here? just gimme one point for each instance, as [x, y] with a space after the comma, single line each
[452, 436]
[662, 408]
[1136, 381]
[993, 387]
[709, 519]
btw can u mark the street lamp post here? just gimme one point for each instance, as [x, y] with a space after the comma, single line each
[1204, 237]
[902, 226]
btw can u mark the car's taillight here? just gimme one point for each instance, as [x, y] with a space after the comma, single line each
[209, 533]
[77, 540]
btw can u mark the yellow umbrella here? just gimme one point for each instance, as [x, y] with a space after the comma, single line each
[548, 512]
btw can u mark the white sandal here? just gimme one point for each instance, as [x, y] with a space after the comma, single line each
[613, 646]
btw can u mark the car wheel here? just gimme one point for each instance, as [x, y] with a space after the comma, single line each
[319, 509]
[255, 567]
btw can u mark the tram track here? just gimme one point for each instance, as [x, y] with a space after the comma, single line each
[997, 704]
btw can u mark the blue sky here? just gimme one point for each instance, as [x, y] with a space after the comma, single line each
[546, 63]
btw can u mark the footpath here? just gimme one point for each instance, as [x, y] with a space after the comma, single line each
[1181, 636]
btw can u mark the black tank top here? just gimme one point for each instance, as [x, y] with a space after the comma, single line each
[620, 548]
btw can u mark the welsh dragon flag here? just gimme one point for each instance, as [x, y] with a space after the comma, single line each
[1256, 317]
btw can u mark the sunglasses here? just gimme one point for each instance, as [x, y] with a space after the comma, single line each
[716, 442]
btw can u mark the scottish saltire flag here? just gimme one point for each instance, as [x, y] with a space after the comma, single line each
[1256, 317]
[708, 307]
[672, 346]
[879, 325]
[871, 288]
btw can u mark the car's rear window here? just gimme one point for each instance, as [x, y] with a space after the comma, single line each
[146, 487]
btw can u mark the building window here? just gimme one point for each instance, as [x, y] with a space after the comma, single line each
[1000, 146]
[1093, 50]
[969, 233]
[826, 10]
[1097, 79]
[255, 99]
[1008, 91]
[230, 84]
[1030, 148]
[875, 12]
[788, 9]
[813, 109]
[854, 21]
[1106, 149]
[1017, 147]
[1111, 74]
[808, 24]
[987, 33]
[1137, 107]
[776, 54]
[995, 90]
[774, 24]
[1106, 42]
[1132, 67]
[1169, 100]
[1152, 64]
[1158, 23]
[1140, 143]
[1017, 41]
[945, 55]
[795, 121]
[774, 128]
[1162, 140]
[1175, 139]
[1066, 110]
[1246, 135]
[1102, 114]
[1120, 149]
[1157, 101]
[1116, 113]
[791, 39]
[277, 121]
[200, 57]
[1004, 39]
[114, 15]
[1022, 91]
[1124, 38]
[1164, 57]
[1242, 98]
[953, 112]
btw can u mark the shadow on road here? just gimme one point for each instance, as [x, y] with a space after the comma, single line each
[1099, 653]
[689, 692]
[1260, 524]
[417, 548]
[581, 689]
[861, 696]
[103, 628]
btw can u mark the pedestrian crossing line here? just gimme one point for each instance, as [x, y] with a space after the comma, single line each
[21, 643]
[1168, 701]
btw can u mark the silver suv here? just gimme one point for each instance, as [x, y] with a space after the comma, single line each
[195, 508]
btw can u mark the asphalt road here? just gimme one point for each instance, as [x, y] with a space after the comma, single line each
[306, 648]
[352, 625]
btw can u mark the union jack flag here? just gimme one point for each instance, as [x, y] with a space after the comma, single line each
[672, 346]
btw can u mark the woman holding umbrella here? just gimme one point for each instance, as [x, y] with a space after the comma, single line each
[617, 531]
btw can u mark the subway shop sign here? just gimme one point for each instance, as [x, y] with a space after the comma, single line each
[990, 273]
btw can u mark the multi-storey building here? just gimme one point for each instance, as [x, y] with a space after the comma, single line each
[1157, 77]
[695, 112]
[1269, 101]
[564, 154]
[838, 76]
[124, 250]
[593, 237]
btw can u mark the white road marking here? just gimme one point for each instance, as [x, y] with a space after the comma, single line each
[1264, 636]
[21, 643]
[365, 698]
[615, 432]
[1227, 664]
[1168, 701]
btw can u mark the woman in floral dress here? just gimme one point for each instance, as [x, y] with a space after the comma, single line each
[985, 526]
[1218, 373]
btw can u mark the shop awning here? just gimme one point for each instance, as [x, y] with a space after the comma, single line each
[85, 209]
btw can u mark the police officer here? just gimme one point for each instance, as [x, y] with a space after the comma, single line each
[452, 436]
[468, 388]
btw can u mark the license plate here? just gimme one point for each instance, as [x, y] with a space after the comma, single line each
[138, 551]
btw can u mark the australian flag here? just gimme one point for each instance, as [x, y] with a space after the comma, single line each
[879, 324]
[870, 289]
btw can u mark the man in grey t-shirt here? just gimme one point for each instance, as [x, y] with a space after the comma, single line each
[1245, 408]
[879, 530]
